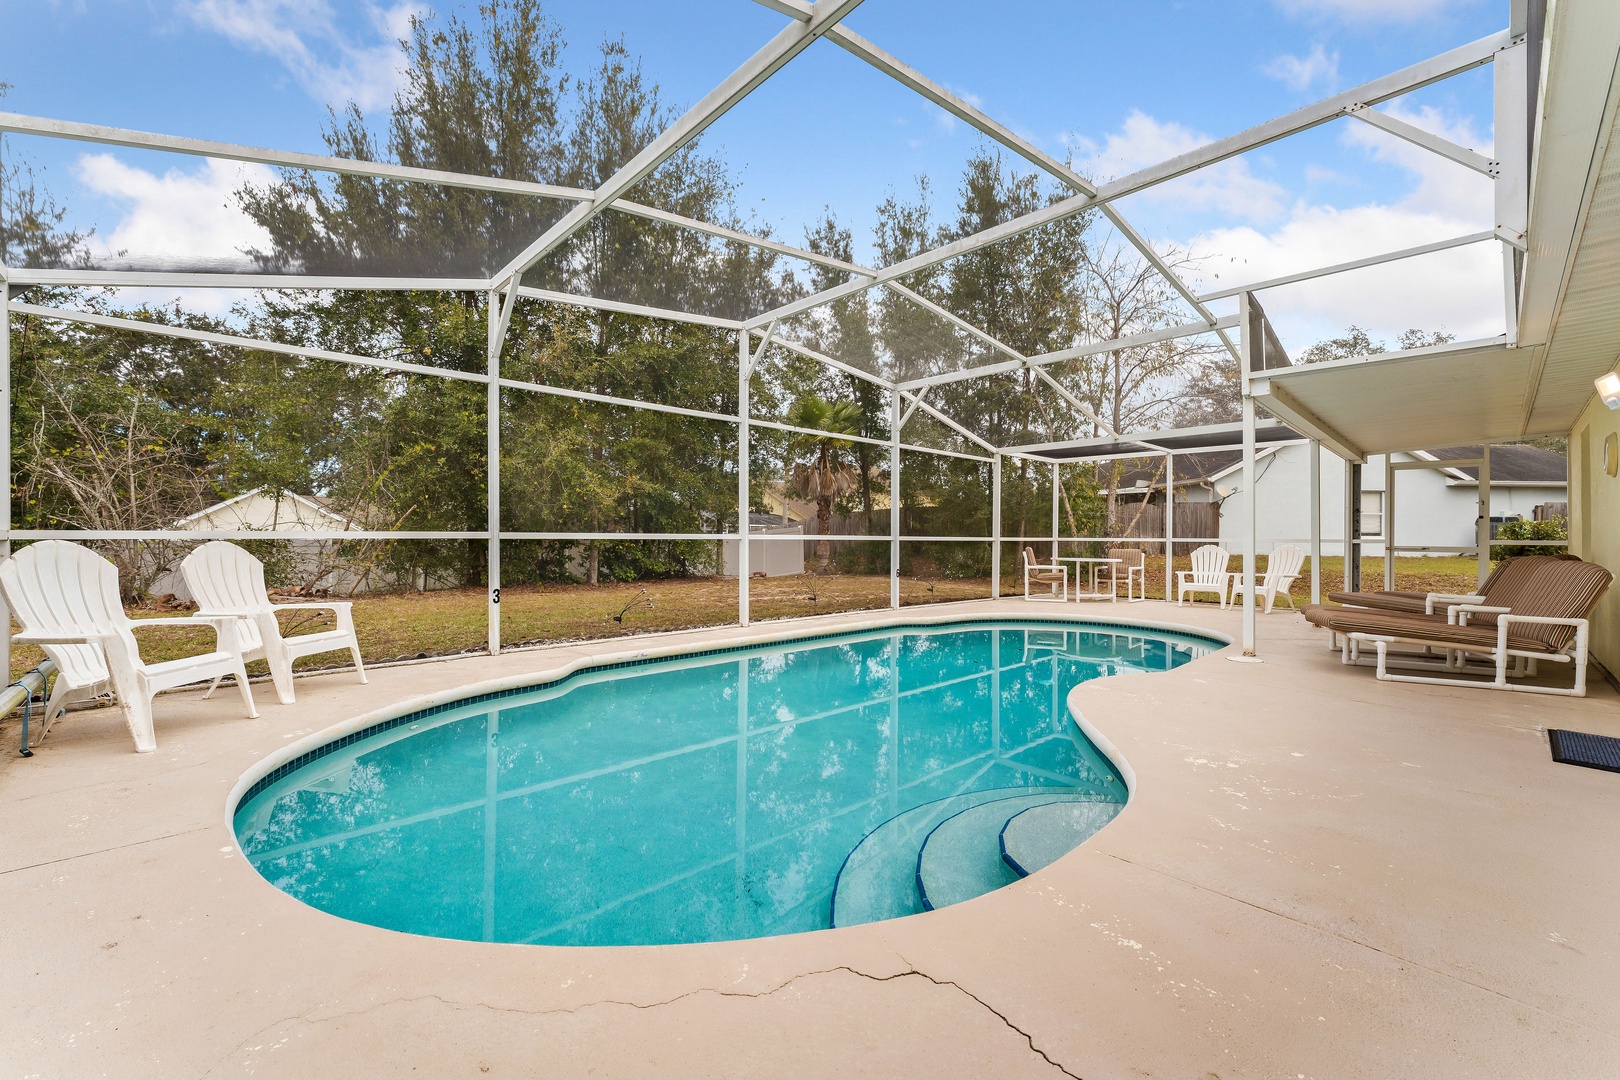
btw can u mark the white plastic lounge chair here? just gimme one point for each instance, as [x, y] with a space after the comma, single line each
[1053, 573]
[1282, 567]
[65, 594]
[1133, 562]
[225, 579]
[1208, 574]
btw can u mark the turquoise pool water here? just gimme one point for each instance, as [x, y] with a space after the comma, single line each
[701, 798]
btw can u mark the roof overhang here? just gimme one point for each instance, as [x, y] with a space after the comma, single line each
[1439, 396]
[1146, 444]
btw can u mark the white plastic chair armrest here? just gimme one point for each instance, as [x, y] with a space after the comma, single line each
[213, 618]
[85, 638]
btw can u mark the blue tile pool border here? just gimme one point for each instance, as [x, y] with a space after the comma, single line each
[292, 765]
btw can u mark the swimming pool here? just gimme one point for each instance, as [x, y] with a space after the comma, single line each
[730, 794]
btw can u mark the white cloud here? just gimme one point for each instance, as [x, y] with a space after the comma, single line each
[305, 37]
[1228, 187]
[177, 218]
[1458, 290]
[1300, 73]
[1367, 11]
[947, 122]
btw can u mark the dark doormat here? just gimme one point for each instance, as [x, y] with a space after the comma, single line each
[1579, 748]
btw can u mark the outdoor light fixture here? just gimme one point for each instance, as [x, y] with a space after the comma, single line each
[1608, 388]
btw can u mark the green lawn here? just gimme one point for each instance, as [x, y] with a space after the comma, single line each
[399, 625]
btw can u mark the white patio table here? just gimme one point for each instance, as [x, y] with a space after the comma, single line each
[1097, 565]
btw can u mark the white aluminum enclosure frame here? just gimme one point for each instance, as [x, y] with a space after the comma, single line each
[806, 23]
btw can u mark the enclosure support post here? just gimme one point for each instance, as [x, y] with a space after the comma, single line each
[743, 411]
[1352, 527]
[894, 499]
[1484, 525]
[1169, 526]
[1316, 521]
[1249, 538]
[1389, 522]
[995, 528]
[500, 317]
[5, 462]
[1252, 321]
[1056, 493]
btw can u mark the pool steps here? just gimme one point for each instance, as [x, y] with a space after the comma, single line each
[950, 850]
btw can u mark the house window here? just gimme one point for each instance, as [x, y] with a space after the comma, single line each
[1372, 514]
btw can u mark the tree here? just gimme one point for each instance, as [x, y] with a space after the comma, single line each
[488, 96]
[819, 475]
[1355, 341]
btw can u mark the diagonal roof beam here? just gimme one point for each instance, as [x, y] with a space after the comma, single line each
[1464, 58]
[980, 121]
[1150, 337]
[984, 124]
[1428, 140]
[147, 140]
[790, 42]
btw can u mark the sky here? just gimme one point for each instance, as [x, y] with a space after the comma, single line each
[1113, 86]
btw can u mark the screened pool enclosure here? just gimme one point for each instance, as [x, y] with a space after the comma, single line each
[536, 242]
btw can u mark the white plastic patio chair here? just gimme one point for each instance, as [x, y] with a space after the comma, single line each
[1282, 567]
[1208, 574]
[1053, 573]
[225, 579]
[81, 674]
[65, 594]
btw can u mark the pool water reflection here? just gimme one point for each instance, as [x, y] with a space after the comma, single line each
[684, 800]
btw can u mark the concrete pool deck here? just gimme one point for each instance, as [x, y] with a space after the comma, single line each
[1320, 876]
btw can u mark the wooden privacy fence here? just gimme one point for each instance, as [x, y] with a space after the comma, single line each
[1195, 519]
[1548, 510]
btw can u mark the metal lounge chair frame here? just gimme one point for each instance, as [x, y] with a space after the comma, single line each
[1052, 573]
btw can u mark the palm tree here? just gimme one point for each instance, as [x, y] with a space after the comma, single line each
[819, 475]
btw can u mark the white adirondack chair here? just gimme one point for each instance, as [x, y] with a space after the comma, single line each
[81, 674]
[224, 579]
[65, 594]
[1208, 574]
[1282, 567]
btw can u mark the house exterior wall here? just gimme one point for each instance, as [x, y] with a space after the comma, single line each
[262, 512]
[1594, 519]
[1429, 511]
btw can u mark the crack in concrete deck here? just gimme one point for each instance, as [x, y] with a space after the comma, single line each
[910, 972]
[103, 851]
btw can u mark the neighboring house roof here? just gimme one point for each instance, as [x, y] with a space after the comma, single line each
[313, 504]
[1191, 470]
[1513, 464]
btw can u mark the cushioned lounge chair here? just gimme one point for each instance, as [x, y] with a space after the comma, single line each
[1424, 602]
[1538, 616]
